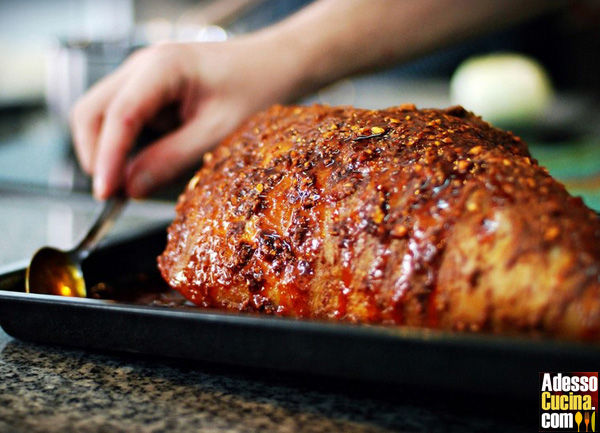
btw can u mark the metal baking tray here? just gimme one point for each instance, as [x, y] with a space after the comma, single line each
[419, 358]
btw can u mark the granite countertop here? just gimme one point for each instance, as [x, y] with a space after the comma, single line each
[55, 389]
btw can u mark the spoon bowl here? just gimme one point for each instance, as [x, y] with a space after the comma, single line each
[55, 272]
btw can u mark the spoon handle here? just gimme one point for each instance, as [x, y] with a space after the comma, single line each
[112, 209]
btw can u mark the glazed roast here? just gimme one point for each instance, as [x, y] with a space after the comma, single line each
[429, 218]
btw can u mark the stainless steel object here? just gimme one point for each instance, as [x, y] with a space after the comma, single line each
[55, 272]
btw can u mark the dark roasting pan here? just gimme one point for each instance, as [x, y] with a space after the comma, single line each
[405, 356]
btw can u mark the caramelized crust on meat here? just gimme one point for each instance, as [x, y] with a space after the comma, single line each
[399, 216]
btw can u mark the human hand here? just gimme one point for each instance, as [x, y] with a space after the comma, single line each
[215, 85]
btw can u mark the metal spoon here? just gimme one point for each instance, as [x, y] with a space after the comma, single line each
[56, 272]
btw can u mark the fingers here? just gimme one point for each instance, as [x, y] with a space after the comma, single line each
[108, 119]
[87, 114]
[173, 154]
[138, 99]
[165, 159]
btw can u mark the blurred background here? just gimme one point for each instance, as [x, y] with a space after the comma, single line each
[539, 79]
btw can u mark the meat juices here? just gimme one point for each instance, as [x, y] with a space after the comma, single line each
[429, 218]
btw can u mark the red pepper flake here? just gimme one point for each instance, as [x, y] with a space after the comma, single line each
[399, 231]
[551, 233]
[194, 182]
[475, 150]
[472, 206]
[463, 165]
[407, 107]
[508, 188]
[375, 132]
[378, 216]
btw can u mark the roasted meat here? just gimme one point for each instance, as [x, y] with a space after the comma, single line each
[401, 216]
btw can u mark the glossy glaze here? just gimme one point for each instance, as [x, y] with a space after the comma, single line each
[398, 216]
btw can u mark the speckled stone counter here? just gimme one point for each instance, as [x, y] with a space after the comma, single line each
[55, 389]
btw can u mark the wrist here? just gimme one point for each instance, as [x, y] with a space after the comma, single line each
[297, 63]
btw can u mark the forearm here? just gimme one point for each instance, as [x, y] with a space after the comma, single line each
[334, 38]
[218, 85]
